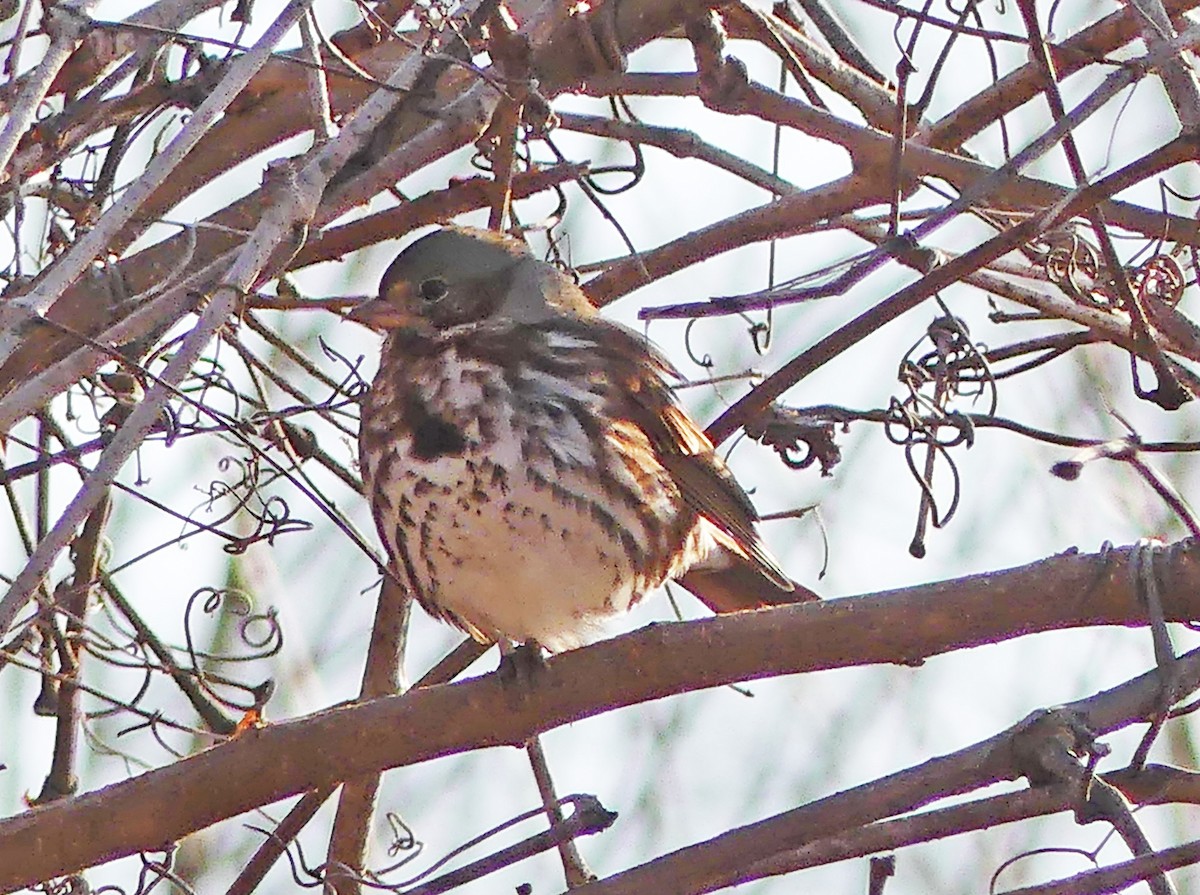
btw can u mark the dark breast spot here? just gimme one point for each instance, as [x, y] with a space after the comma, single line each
[432, 436]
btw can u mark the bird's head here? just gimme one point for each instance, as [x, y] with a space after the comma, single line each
[459, 276]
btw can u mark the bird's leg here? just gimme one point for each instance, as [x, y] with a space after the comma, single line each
[521, 663]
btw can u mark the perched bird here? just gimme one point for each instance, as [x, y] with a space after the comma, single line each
[528, 468]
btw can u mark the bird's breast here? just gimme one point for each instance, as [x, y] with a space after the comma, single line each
[511, 496]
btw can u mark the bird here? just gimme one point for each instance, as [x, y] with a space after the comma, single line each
[528, 468]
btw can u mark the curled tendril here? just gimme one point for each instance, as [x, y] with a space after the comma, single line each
[272, 514]
[905, 428]
[761, 331]
[636, 170]
[704, 361]
[404, 841]
[952, 369]
[213, 598]
[938, 519]
[272, 519]
[956, 365]
[588, 816]
[269, 640]
[1073, 264]
[797, 438]
[219, 489]
[260, 644]
[403, 838]
[1160, 278]
[901, 422]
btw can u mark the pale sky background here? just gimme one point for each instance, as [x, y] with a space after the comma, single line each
[690, 767]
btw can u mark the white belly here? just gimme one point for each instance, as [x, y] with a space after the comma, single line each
[519, 565]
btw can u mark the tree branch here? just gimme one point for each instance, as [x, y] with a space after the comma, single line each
[904, 627]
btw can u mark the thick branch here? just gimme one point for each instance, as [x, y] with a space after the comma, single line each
[263, 766]
[732, 857]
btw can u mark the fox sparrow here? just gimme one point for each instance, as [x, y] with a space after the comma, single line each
[528, 468]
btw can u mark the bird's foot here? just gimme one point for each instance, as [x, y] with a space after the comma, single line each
[520, 664]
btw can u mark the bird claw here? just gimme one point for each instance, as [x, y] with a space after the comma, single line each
[521, 664]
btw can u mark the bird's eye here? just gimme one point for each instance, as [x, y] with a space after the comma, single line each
[433, 289]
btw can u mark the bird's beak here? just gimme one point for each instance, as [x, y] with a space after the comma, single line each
[384, 313]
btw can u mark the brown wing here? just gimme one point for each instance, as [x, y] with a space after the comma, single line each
[684, 450]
